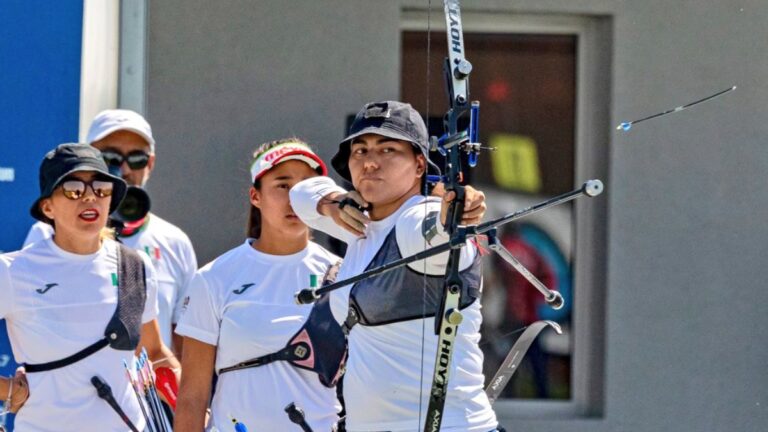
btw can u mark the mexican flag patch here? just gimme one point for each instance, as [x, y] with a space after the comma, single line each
[152, 252]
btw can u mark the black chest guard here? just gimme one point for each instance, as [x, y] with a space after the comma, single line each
[124, 328]
[401, 294]
[319, 346]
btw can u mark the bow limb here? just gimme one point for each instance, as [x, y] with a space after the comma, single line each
[515, 356]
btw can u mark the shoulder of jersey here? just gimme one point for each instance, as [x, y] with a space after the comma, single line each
[43, 228]
[113, 246]
[7, 258]
[316, 249]
[225, 262]
[38, 232]
[428, 204]
[162, 227]
[28, 250]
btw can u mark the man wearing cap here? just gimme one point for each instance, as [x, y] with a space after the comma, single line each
[128, 147]
[392, 347]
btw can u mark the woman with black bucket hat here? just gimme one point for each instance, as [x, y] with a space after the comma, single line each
[392, 346]
[241, 320]
[77, 305]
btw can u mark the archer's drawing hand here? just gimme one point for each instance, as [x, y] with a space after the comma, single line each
[346, 215]
[474, 206]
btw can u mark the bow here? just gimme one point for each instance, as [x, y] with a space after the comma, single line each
[448, 317]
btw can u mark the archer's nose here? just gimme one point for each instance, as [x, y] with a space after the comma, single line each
[370, 164]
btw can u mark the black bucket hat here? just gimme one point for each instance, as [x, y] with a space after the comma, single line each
[67, 159]
[392, 119]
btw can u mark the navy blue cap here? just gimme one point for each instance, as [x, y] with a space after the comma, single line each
[392, 119]
[67, 159]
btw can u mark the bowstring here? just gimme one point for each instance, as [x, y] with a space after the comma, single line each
[425, 192]
[502, 336]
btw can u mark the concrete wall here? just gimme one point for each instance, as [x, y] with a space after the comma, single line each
[686, 240]
[224, 77]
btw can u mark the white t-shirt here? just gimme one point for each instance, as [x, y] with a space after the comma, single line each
[57, 303]
[242, 302]
[384, 368]
[172, 255]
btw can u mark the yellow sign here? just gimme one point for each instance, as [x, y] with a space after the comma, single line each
[515, 162]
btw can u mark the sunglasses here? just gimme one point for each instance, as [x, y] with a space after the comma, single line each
[74, 189]
[135, 159]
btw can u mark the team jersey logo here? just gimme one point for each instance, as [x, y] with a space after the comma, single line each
[47, 287]
[243, 288]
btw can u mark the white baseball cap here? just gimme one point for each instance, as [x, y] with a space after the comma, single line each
[110, 121]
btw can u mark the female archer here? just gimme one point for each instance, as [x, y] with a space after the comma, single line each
[390, 317]
[242, 322]
[77, 305]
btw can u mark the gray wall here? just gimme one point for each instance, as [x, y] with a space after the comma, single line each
[686, 245]
[224, 77]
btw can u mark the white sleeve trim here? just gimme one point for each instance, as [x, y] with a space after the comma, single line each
[188, 269]
[305, 196]
[196, 333]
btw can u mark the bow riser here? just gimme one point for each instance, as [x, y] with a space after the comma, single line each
[447, 320]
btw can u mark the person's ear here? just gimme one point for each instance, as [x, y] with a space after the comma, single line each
[421, 165]
[151, 162]
[255, 197]
[46, 207]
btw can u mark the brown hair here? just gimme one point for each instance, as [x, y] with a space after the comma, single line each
[253, 228]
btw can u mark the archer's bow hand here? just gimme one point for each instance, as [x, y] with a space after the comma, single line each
[474, 206]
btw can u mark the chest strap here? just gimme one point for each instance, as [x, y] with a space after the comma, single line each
[76, 357]
[124, 328]
[296, 352]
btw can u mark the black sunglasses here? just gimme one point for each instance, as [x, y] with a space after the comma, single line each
[74, 188]
[136, 159]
